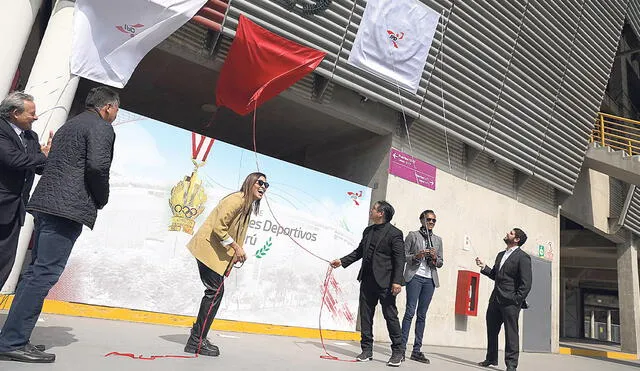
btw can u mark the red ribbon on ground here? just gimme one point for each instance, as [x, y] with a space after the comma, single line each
[153, 358]
[327, 355]
[143, 358]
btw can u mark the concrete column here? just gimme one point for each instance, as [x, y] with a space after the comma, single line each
[53, 89]
[563, 306]
[16, 21]
[629, 296]
[594, 335]
[609, 325]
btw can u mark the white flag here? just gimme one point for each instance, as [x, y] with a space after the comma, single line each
[394, 39]
[110, 37]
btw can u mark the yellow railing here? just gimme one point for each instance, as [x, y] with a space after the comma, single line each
[618, 133]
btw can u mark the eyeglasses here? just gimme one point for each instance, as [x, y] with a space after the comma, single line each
[262, 183]
[430, 220]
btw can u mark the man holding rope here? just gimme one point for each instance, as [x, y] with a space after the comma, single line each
[382, 254]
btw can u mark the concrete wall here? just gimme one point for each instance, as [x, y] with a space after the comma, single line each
[468, 210]
[590, 203]
[365, 162]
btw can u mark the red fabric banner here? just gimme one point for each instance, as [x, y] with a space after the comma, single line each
[259, 66]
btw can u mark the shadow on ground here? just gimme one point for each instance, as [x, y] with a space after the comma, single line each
[49, 336]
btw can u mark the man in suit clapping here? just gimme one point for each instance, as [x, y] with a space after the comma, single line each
[21, 157]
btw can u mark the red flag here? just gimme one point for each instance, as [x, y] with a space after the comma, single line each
[259, 66]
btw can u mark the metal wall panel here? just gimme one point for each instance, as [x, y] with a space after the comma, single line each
[489, 173]
[192, 36]
[617, 195]
[522, 80]
[539, 195]
[633, 15]
[587, 72]
[632, 221]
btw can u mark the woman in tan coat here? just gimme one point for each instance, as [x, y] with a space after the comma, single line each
[216, 246]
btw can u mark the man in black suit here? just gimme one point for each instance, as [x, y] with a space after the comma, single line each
[382, 254]
[21, 156]
[512, 275]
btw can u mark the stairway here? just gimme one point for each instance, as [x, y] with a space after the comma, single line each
[615, 163]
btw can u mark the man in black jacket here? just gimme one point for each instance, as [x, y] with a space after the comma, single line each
[512, 275]
[21, 157]
[382, 254]
[74, 185]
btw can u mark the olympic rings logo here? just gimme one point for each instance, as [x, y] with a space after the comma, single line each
[186, 210]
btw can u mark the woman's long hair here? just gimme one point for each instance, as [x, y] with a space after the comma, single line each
[248, 183]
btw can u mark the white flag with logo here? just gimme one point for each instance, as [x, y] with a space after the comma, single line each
[110, 37]
[394, 39]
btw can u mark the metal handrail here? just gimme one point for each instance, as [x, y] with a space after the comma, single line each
[617, 132]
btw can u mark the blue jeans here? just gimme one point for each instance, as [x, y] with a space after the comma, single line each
[53, 240]
[419, 293]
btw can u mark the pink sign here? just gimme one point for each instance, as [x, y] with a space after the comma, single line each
[411, 169]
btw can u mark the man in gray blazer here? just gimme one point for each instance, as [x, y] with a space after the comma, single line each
[423, 253]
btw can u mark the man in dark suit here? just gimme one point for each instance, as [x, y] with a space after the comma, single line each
[382, 254]
[512, 275]
[21, 156]
[73, 187]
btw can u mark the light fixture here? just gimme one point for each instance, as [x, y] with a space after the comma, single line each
[209, 107]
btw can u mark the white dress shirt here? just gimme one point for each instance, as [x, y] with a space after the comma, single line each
[506, 255]
[17, 130]
[424, 270]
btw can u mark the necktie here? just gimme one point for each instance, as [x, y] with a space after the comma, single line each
[23, 139]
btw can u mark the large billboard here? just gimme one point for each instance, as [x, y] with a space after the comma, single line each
[135, 258]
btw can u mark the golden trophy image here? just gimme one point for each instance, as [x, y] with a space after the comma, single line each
[187, 201]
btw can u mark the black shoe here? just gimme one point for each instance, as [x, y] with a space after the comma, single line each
[206, 348]
[364, 356]
[395, 360]
[486, 363]
[28, 354]
[419, 357]
[40, 347]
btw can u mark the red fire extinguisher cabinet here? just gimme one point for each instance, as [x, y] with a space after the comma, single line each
[467, 293]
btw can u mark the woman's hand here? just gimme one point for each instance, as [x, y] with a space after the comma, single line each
[239, 255]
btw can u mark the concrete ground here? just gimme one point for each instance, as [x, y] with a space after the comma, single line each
[81, 344]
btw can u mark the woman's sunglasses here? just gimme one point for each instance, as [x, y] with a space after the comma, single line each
[431, 220]
[262, 183]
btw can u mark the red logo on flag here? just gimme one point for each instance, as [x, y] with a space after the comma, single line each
[395, 37]
[129, 29]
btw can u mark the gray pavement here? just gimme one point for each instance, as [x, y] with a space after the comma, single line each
[81, 343]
